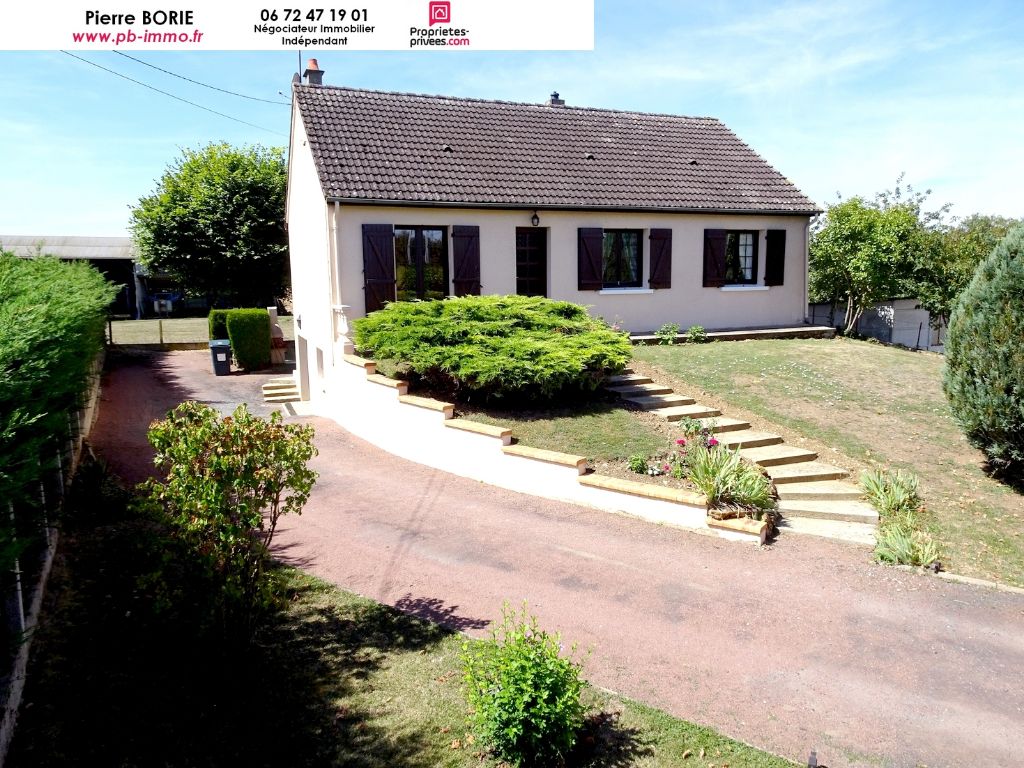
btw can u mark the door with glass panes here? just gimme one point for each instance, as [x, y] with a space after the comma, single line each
[531, 261]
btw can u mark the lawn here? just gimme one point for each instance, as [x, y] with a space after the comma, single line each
[334, 679]
[863, 405]
[176, 330]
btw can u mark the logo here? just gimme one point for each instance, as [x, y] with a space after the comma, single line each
[440, 12]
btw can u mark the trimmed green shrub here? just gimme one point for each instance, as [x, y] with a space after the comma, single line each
[525, 695]
[51, 330]
[249, 332]
[696, 334]
[667, 333]
[984, 375]
[218, 320]
[512, 347]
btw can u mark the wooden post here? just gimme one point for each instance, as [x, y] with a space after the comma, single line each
[160, 327]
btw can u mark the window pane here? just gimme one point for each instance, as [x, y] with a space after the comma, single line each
[629, 270]
[434, 263]
[610, 263]
[405, 264]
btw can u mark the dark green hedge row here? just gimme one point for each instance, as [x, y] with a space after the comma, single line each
[249, 333]
[984, 376]
[508, 347]
[51, 329]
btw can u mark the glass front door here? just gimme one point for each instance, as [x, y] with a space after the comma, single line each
[421, 263]
[531, 261]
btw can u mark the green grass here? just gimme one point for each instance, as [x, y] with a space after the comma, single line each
[599, 430]
[176, 330]
[878, 406]
[334, 680]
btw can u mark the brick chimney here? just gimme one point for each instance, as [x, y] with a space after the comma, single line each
[313, 74]
[554, 101]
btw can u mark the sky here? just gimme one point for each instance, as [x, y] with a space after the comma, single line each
[841, 97]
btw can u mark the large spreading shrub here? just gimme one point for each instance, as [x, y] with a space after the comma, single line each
[51, 331]
[524, 694]
[984, 376]
[511, 347]
[249, 332]
[227, 482]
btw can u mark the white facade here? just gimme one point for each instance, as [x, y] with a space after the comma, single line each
[326, 247]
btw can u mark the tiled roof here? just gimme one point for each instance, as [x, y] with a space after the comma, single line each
[70, 246]
[378, 146]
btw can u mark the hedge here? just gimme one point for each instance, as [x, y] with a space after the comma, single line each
[496, 347]
[51, 329]
[218, 320]
[249, 332]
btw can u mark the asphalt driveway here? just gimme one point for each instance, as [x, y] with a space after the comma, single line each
[803, 645]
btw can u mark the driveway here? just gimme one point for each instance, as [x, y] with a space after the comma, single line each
[802, 645]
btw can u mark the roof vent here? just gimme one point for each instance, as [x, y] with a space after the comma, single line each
[692, 162]
[590, 155]
[554, 101]
[447, 148]
[313, 74]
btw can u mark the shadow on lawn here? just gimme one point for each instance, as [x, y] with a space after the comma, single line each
[114, 681]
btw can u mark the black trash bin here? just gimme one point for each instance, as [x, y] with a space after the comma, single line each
[220, 351]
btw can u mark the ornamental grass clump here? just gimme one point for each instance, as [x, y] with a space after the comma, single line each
[507, 348]
[524, 694]
[901, 537]
[726, 479]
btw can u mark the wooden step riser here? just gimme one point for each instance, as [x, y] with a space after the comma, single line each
[726, 425]
[627, 378]
[839, 517]
[278, 387]
[640, 390]
[667, 402]
[809, 478]
[782, 461]
[793, 492]
[754, 442]
[706, 412]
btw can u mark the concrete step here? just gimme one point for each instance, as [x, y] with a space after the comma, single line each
[627, 378]
[688, 411]
[652, 402]
[842, 511]
[857, 533]
[280, 380]
[823, 490]
[805, 472]
[271, 386]
[774, 455]
[631, 390]
[724, 424]
[747, 438]
[289, 397]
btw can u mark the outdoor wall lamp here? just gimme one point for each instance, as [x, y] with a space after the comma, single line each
[535, 219]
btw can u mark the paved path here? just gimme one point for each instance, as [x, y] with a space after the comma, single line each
[802, 645]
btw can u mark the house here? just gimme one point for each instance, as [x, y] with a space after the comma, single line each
[646, 218]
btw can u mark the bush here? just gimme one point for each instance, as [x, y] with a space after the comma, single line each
[227, 483]
[984, 375]
[696, 334]
[511, 347]
[725, 478]
[900, 538]
[638, 463]
[667, 333]
[218, 320]
[249, 332]
[525, 696]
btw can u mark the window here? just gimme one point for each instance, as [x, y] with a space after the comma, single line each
[421, 263]
[740, 258]
[622, 259]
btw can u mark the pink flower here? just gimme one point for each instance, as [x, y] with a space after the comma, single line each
[666, 467]
[681, 441]
[712, 442]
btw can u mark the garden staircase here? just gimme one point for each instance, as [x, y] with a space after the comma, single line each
[814, 497]
[283, 389]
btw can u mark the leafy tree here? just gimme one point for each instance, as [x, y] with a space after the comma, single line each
[228, 482]
[215, 222]
[984, 375]
[947, 260]
[862, 254]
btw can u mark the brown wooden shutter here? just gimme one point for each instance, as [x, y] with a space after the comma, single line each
[590, 271]
[378, 265]
[775, 257]
[466, 261]
[661, 258]
[714, 258]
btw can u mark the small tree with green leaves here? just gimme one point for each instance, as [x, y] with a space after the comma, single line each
[228, 481]
[984, 375]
